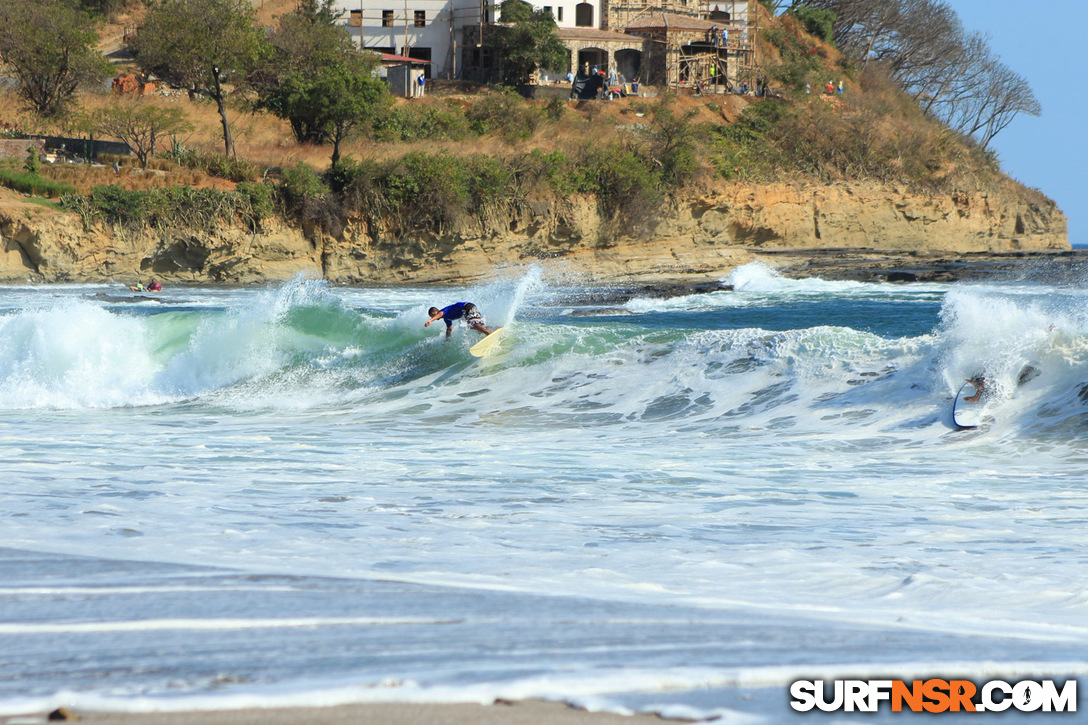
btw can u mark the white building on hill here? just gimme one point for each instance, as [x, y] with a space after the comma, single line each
[434, 30]
[431, 29]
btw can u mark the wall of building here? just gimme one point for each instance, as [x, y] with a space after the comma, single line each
[390, 25]
[19, 148]
[444, 21]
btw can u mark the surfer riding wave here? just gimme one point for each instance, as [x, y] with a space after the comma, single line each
[466, 310]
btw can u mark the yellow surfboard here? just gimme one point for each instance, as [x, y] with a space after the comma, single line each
[484, 346]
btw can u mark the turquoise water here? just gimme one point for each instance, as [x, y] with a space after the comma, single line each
[298, 495]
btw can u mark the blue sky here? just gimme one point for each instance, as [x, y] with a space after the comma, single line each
[1045, 42]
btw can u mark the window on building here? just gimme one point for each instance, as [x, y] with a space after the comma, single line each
[356, 19]
[421, 18]
[387, 18]
[583, 15]
[559, 17]
[548, 10]
[421, 54]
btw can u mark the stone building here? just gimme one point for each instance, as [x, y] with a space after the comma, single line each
[658, 42]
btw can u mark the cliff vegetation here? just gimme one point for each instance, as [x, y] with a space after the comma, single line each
[450, 186]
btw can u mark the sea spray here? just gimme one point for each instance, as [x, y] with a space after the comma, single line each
[75, 355]
[686, 505]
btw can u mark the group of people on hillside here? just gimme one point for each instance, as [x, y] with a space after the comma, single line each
[590, 83]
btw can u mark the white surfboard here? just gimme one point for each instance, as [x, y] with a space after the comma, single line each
[966, 413]
[486, 345]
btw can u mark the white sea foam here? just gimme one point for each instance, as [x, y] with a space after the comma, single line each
[807, 473]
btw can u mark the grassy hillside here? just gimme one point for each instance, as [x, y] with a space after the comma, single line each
[467, 153]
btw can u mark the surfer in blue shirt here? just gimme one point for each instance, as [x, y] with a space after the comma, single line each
[459, 310]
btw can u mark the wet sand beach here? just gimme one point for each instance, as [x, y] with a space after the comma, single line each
[522, 712]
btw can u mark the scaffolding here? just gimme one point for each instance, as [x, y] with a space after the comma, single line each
[725, 64]
[720, 58]
[741, 45]
[703, 72]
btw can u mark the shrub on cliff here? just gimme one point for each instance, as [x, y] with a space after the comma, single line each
[34, 184]
[259, 202]
[864, 136]
[171, 207]
[506, 114]
[747, 149]
[428, 189]
[442, 192]
[299, 184]
[672, 143]
[419, 123]
[306, 198]
[214, 164]
[117, 205]
[800, 53]
[624, 180]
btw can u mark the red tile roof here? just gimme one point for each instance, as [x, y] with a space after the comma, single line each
[669, 21]
[594, 34]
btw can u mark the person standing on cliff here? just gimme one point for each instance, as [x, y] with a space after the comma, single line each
[457, 311]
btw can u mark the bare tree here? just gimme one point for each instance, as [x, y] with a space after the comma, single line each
[140, 124]
[1004, 95]
[952, 74]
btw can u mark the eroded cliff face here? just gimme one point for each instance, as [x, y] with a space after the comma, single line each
[699, 238]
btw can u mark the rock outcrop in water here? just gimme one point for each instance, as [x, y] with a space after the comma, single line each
[795, 226]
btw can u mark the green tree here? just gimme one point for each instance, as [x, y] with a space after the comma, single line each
[50, 46]
[350, 96]
[526, 40]
[33, 163]
[309, 47]
[140, 124]
[820, 23]
[200, 45]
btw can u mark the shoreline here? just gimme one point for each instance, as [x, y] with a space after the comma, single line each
[830, 264]
[838, 265]
[502, 712]
[870, 265]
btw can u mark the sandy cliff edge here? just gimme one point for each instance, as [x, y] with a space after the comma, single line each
[700, 238]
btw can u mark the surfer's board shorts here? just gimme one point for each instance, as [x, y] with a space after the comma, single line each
[473, 316]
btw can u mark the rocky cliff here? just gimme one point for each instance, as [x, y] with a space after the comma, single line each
[700, 238]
